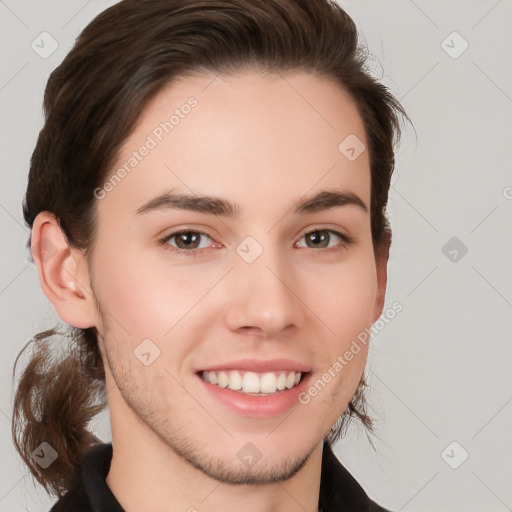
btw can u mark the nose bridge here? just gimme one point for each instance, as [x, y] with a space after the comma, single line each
[263, 297]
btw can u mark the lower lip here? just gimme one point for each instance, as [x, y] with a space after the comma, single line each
[258, 406]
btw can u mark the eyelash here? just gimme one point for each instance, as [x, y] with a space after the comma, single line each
[346, 241]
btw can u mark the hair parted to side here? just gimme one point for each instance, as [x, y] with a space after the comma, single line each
[92, 101]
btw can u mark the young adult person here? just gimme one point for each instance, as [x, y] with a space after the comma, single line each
[207, 204]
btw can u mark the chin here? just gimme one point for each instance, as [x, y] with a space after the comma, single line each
[253, 463]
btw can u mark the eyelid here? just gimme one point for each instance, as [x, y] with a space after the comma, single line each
[333, 229]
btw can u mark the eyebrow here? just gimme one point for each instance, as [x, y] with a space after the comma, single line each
[324, 200]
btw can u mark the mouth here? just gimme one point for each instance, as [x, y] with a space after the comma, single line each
[254, 383]
[255, 388]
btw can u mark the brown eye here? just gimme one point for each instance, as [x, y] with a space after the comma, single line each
[186, 242]
[187, 239]
[322, 238]
[319, 238]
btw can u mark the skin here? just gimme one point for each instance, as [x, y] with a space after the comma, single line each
[254, 140]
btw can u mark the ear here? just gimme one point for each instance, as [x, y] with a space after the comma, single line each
[62, 273]
[382, 275]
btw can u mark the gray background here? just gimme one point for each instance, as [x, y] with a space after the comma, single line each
[440, 371]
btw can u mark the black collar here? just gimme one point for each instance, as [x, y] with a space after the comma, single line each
[339, 491]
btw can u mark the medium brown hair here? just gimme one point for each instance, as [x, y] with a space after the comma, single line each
[92, 101]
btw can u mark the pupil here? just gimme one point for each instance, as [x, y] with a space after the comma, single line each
[316, 237]
[186, 238]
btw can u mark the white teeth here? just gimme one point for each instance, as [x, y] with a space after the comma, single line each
[281, 381]
[251, 382]
[268, 383]
[222, 379]
[235, 381]
[290, 380]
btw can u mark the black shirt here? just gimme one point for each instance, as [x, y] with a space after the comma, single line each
[339, 491]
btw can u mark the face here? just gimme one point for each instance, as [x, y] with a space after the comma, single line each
[248, 293]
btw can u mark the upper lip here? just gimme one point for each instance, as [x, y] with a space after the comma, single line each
[259, 365]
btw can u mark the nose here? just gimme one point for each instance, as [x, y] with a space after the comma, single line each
[263, 296]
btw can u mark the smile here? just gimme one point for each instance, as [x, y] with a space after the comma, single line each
[252, 383]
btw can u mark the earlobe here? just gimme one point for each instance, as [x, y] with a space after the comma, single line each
[62, 272]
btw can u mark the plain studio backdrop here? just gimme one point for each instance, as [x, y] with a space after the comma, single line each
[439, 371]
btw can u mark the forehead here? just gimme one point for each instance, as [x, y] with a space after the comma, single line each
[257, 138]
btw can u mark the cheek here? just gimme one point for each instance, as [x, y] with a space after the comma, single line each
[140, 293]
[346, 299]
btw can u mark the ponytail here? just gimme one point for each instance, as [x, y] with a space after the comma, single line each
[54, 401]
